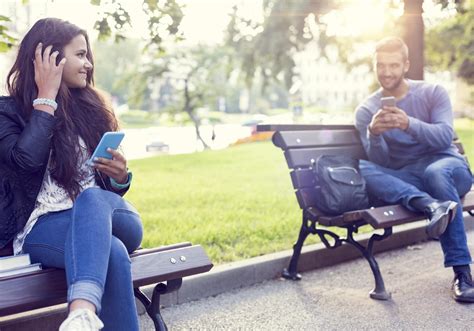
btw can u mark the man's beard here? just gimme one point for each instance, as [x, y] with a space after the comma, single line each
[393, 85]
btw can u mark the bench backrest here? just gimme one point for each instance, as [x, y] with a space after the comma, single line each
[303, 144]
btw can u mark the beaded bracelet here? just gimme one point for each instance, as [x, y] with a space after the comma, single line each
[47, 102]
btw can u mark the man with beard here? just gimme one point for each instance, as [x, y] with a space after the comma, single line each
[412, 159]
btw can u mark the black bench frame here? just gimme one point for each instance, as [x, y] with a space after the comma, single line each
[164, 266]
[302, 145]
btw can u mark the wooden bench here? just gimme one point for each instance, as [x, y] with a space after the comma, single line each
[302, 145]
[165, 266]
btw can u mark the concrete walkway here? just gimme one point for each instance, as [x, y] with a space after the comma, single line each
[336, 298]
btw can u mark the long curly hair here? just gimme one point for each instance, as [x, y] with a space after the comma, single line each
[82, 112]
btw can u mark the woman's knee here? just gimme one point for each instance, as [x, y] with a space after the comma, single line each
[90, 197]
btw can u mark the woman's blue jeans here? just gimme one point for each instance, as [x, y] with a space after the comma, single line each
[437, 176]
[92, 241]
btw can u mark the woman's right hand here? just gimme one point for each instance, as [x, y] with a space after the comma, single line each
[48, 75]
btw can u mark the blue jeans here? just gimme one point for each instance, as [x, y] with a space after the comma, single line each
[440, 177]
[92, 241]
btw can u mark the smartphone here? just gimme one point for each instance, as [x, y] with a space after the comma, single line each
[108, 140]
[388, 101]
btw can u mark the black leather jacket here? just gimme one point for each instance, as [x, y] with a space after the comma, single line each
[24, 152]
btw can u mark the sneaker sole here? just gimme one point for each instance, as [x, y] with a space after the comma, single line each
[437, 229]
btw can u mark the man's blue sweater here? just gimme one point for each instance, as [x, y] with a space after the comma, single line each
[430, 129]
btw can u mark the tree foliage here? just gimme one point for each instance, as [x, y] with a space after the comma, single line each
[450, 45]
[198, 76]
[163, 16]
[266, 49]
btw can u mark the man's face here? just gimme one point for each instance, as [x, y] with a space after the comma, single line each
[390, 68]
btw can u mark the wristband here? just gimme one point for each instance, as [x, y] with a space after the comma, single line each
[119, 186]
[48, 102]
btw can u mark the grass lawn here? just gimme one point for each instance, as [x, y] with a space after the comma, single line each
[465, 130]
[237, 203]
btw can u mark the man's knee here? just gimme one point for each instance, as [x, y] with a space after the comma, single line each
[446, 173]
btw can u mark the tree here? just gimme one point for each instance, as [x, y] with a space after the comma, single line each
[289, 25]
[116, 60]
[450, 45]
[199, 76]
[266, 49]
[164, 18]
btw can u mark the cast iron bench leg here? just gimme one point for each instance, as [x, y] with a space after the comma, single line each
[291, 272]
[153, 307]
[379, 292]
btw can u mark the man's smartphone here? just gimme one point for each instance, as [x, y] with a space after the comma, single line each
[388, 101]
[108, 140]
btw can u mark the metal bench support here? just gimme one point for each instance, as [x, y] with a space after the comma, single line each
[379, 292]
[153, 307]
[309, 226]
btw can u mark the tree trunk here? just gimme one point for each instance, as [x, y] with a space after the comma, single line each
[413, 35]
[189, 110]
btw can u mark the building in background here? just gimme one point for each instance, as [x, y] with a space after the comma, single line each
[326, 83]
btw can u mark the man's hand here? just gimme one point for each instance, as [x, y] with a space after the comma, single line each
[388, 118]
[115, 168]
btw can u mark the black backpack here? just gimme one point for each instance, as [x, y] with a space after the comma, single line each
[339, 185]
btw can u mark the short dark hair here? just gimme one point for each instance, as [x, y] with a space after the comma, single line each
[392, 44]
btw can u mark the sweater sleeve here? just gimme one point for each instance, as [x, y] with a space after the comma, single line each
[439, 133]
[375, 146]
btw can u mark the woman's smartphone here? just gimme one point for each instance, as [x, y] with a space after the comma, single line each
[388, 101]
[108, 140]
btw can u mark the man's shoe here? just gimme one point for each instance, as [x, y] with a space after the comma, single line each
[462, 287]
[439, 214]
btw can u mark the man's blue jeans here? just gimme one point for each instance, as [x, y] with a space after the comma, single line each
[438, 176]
[92, 241]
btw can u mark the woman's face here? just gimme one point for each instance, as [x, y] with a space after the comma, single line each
[77, 65]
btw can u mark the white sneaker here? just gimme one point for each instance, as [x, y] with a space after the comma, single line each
[81, 320]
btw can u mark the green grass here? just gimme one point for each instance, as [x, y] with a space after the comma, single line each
[465, 130]
[237, 203]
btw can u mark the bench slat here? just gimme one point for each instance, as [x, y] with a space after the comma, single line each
[48, 287]
[468, 200]
[301, 139]
[380, 217]
[31, 291]
[302, 127]
[386, 216]
[303, 158]
[306, 197]
[383, 217]
[302, 178]
[144, 268]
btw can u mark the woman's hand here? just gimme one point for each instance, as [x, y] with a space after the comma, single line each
[115, 168]
[48, 75]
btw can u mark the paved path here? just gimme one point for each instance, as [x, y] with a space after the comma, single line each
[336, 298]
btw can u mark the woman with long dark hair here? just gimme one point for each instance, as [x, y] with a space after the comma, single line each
[55, 207]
